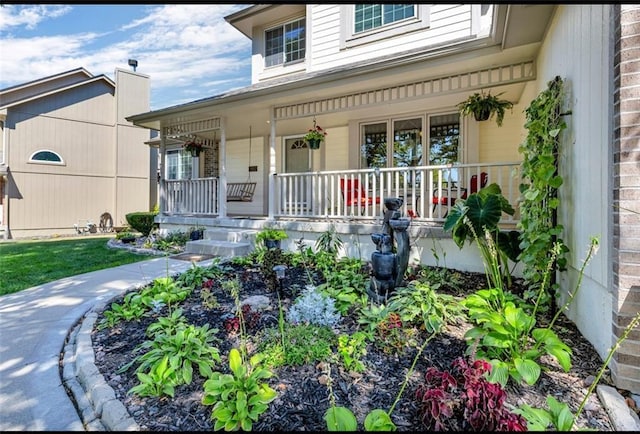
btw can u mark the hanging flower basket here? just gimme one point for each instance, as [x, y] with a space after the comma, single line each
[193, 147]
[315, 136]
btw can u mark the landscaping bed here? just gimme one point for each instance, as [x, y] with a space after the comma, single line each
[303, 395]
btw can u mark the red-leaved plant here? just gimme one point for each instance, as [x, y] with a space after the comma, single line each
[463, 400]
[251, 319]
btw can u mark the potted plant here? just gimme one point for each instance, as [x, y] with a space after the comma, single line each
[196, 233]
[271, 237]
[315, 136]
[484, 106]
[193, 147]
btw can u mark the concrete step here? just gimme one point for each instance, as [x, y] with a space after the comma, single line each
[218, 248]
[230, 234]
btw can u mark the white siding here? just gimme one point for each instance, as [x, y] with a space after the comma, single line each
[237, 165]
[447, 23]
[574, 51]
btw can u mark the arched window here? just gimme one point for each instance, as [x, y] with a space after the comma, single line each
[47, 157]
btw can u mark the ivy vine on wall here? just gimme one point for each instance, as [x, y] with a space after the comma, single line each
[539, 189]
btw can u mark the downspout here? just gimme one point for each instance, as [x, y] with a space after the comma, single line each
[272, 169]
[222, 185]
[5, 192]
[162, 200]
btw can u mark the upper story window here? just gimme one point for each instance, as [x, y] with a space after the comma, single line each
[285, 43]
[47, 157]
[368, 16]
[369, 23]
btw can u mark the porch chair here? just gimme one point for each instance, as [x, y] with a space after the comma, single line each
[353, 194]
[473, 187]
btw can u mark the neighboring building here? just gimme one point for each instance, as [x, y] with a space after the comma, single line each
[68, 155]
[384, 82]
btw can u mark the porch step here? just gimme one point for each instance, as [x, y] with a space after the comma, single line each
[218, 248]
[230, 234]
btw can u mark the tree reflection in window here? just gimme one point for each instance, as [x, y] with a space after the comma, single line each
[444, 138]
[373, 151]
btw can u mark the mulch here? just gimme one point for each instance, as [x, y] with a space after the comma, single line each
[303, 396]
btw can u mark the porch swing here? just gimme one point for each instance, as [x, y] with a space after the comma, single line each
[242, 191]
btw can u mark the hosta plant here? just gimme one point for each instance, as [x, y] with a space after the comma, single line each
[238, 398]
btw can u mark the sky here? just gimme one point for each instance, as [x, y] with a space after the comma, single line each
[189, 51]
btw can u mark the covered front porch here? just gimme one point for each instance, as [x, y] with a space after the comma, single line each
[428, 193]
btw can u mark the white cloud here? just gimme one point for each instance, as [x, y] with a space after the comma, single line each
[181, 47]
[29, 16]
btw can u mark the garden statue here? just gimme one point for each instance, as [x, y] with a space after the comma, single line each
[389, 266]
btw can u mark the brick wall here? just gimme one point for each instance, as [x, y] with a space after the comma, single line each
[625, 366]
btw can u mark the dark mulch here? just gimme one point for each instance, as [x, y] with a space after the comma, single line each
[302, 395]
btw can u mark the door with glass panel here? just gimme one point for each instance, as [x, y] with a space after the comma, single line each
[296, 191]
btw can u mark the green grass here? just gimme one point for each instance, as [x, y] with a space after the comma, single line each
[24, 264]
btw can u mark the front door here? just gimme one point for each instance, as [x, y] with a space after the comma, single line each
[297, 159]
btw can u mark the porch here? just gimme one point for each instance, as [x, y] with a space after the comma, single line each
[428, 193]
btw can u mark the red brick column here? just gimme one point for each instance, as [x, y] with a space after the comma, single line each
[625, 366]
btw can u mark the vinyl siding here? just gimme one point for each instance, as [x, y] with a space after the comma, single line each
[574, 51]
[447, 23]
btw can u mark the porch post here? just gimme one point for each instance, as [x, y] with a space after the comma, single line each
[222, 173]
[272, 169]
[162, 205]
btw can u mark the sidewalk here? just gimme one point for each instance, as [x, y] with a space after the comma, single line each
[33, 327]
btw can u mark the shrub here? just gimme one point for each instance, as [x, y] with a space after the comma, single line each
[142, 221]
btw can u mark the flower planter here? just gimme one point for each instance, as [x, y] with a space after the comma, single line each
[314, 143]
[272, 244]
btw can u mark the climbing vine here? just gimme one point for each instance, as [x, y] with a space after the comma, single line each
[538, 191]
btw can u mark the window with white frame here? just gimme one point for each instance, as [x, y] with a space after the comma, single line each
[285, 44]
[179, 164]
[46, 157]
[392, 143]
[366, 23]
[371, 16]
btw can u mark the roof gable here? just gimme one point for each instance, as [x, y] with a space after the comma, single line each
[48, 85]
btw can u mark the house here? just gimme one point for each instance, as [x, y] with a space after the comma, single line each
[68, 155]
[383, 82]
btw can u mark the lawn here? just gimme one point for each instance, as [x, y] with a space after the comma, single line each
[24, 264]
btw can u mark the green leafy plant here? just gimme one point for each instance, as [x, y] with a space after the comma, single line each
[475, 217]
[329, 242]
[418, 303]
[186, 346]
[346, 284]
[271, 234]
[485, 106]
[539, 188]
[238, 398]
[352, 348]
[505, 332]
[160, 380]
[129, 310]
[306, 343]
[558, 415]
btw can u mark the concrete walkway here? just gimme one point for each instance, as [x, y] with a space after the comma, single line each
[34, 324]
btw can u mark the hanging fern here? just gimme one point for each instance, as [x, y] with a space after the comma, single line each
[539, 189]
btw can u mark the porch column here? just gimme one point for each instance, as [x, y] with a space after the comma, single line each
[272, 169]
[222, 173]
[162, 200]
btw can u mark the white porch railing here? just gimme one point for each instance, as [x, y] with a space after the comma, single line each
[425, 190]
[192, 196]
